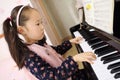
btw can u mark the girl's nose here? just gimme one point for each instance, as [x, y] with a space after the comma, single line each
[42, 27]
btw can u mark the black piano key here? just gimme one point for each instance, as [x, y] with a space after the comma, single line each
[86, 34]
[115, 70]
[95, 37]
[99, 50]
[99, 45]
[114, 65]
[104, 50]
[111, 59]
[91, 37]
[110, 56]
[117, 75]
[92, 42]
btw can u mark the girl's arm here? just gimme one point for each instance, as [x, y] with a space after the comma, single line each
[64, 47]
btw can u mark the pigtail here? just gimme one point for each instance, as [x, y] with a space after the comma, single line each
[9, 31]
[17, 48]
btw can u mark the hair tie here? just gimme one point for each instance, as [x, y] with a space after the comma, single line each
[10, 20]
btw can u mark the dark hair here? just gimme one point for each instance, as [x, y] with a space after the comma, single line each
[17, 48]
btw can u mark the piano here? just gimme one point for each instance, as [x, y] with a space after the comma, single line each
[105, 46]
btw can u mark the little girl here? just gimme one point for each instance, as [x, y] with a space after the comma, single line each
[44, 62]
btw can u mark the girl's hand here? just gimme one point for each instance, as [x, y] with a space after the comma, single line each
[85, 57]
[76, 40]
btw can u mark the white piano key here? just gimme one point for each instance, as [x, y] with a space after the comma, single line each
[85, 47]
[77, 33]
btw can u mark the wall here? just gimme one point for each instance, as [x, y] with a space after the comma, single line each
[63, 14]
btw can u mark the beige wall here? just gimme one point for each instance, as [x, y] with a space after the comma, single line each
[63, 14]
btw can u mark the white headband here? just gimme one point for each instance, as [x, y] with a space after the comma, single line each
[18, 15]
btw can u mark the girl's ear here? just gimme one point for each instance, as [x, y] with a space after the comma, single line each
[20, 29]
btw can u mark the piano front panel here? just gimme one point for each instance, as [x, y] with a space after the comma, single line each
[107, 50]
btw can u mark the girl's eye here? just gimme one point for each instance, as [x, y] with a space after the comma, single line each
[38, 24]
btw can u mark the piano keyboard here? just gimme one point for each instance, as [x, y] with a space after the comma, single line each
[107, 64]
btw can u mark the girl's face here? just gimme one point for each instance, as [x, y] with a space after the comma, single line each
[33, 29]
